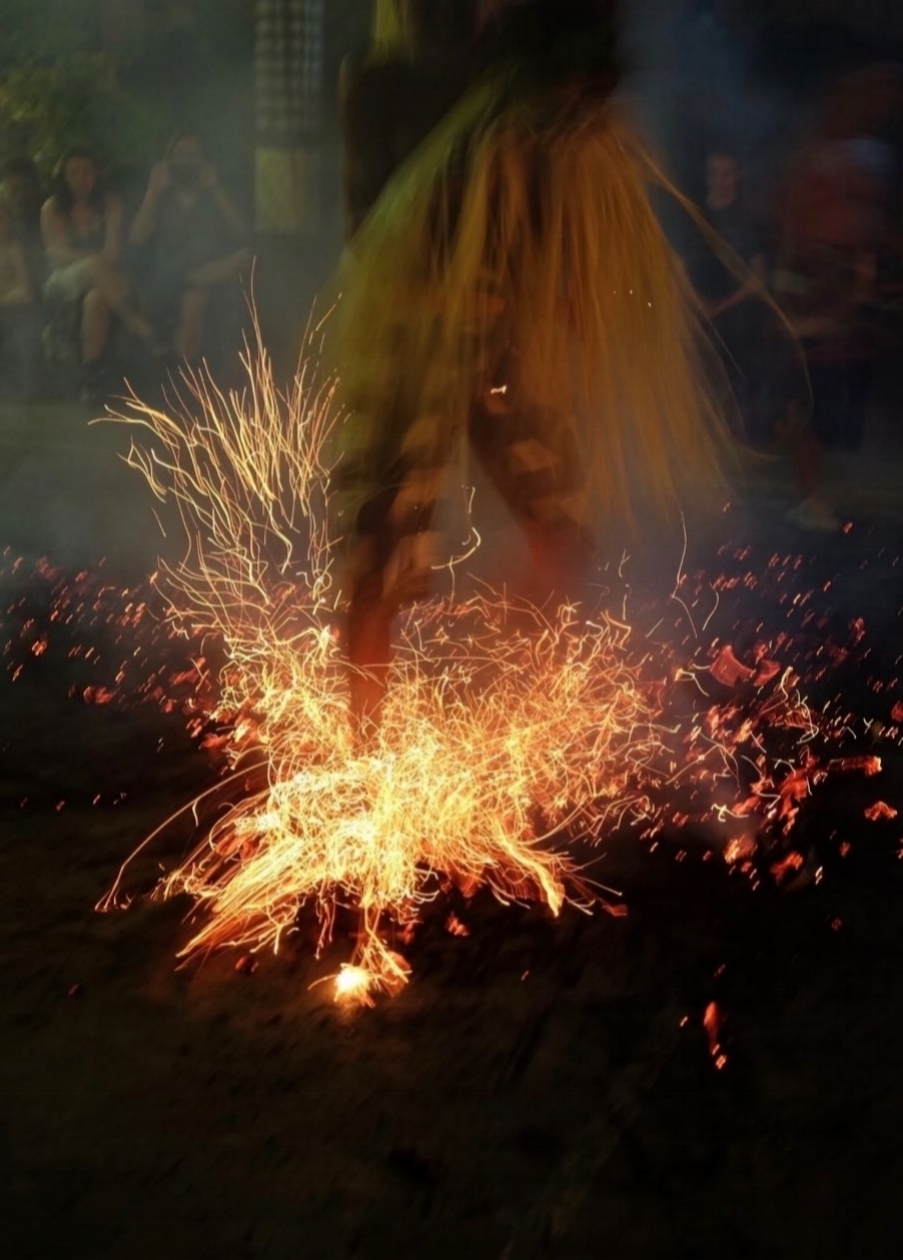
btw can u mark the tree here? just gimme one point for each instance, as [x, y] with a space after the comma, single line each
[61, 85]
[33, 31]
[121, 75]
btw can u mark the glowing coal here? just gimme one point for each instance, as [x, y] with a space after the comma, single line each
[508, 730]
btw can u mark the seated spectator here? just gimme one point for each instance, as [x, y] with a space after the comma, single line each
[730, 300]
[82, 225]
[194, 239]
[728, 212]
[20, 192]
[835, 222]
[18, 328]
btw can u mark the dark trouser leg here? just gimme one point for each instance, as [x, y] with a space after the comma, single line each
[840, 392]
[828, 378]
[808, 461]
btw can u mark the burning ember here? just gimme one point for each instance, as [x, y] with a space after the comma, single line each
[508, 732]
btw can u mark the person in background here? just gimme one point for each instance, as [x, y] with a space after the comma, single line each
[194, 239]
[18, 329]
[732, 301]
[835, 224]
[20, 192]
[82, 226]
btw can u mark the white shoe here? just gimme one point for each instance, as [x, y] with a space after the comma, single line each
[814, 515]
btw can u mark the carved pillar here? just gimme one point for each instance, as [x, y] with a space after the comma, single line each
[289, 68]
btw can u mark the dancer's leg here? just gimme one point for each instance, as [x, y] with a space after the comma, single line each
[369, 648]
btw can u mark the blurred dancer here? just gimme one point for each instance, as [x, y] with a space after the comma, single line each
[417, 67]
[507, 284]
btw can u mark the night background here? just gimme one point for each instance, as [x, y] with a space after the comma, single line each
[715, 1072]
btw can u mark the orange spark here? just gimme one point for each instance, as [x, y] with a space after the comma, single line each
[504, 726]
[880, 812]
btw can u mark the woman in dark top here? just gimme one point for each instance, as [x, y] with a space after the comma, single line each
[82, 226]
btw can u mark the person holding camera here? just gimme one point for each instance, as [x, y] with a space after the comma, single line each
[195, 239]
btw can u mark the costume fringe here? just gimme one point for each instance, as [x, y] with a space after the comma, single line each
[392, 35]
[525, 218]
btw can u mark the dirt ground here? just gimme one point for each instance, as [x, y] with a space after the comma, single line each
[541, 1088]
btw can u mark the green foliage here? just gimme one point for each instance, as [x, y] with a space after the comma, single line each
[46, 107]
[32, 30]
[120, 79]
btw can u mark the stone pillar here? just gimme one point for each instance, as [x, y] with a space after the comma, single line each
[290, 58]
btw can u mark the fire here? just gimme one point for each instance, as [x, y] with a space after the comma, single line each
[505, 726]
[353, 983]
[507, 729]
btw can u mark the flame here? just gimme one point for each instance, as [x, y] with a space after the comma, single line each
[353, 984]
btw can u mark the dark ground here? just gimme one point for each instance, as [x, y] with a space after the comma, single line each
[540, 1088]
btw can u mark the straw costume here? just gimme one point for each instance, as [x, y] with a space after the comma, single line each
[511, 287]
